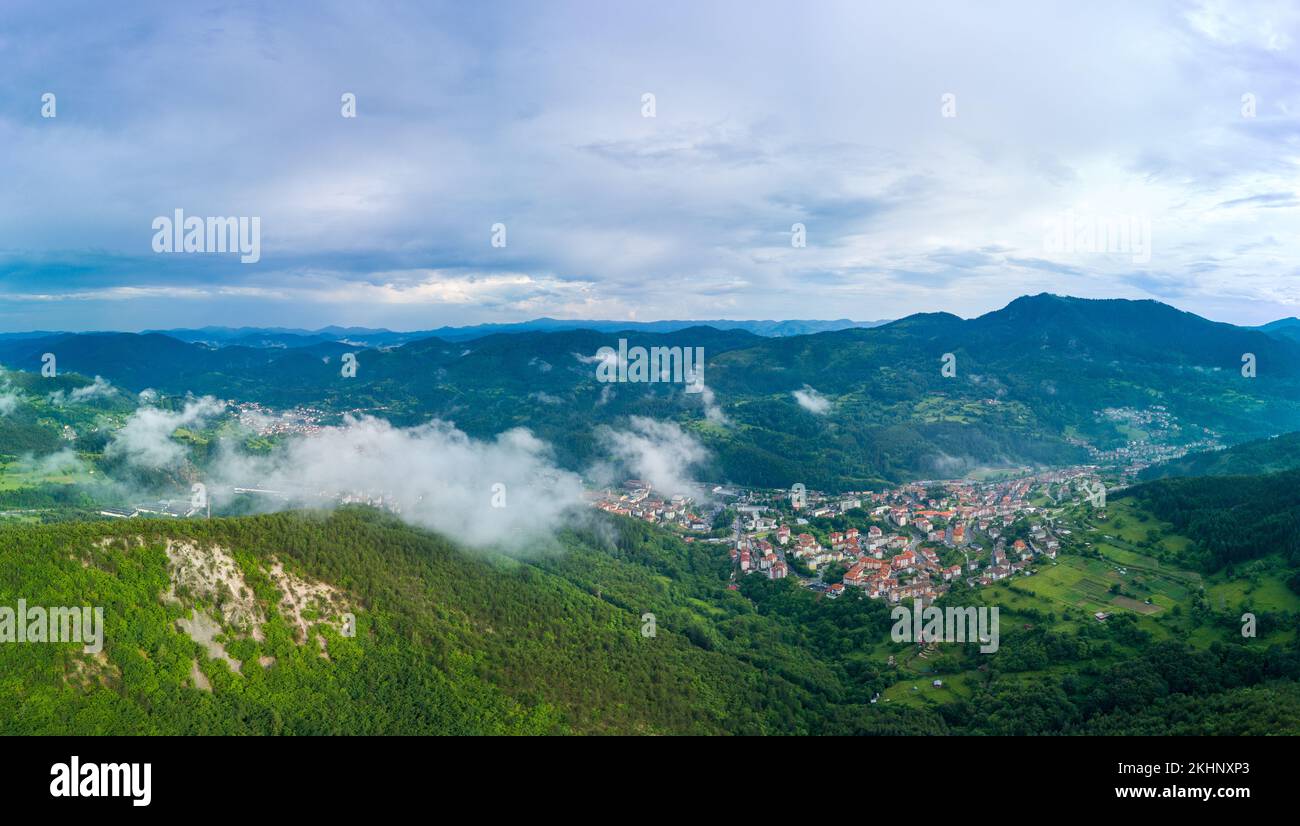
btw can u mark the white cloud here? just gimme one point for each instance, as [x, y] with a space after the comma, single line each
[434, 476]
[62, 461]
[812, 401]
[9, 397]
[609, 358]
[146, 438]
[656, 451]
[712, 410]
[99, 388]
[614, 215]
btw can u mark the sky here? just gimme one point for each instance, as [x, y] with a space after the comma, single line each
[938, 156]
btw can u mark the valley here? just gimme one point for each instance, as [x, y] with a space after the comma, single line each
[304, 553]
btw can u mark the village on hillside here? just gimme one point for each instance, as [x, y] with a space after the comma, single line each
[911, 542]
[916, 540]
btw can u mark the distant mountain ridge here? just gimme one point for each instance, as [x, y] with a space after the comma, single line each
[1284, 327]
[223, 336]
[1028, 384]
[381, 337]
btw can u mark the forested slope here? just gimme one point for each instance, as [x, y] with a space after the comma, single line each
[449, 641]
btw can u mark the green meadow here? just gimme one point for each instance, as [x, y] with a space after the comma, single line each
[17, 475]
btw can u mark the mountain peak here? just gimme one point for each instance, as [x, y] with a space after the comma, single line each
[1289, 321]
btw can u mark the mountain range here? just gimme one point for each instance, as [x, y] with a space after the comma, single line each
[842, 408]
[380, 337]
[354, 621]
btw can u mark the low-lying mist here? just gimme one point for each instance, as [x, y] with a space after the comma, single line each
[505, 493]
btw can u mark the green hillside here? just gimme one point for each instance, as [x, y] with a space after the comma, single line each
[447, 641]
[1233, 519]
[251, 639]
[1268, 455]
[1030, 380]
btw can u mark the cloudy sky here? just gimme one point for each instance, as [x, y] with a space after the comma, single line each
[533, 115]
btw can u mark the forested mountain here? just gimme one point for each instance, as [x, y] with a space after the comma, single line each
[787, 327]
[841, 409]
[36, 426]
[1233, 518]
[236, 625]
[1284, 327]
[1260, 456]
[239, 626]
[285, 337]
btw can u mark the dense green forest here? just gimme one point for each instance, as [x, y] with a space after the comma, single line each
[450, 641]
[1029, 381]
[1232, 518]
[1268, 455]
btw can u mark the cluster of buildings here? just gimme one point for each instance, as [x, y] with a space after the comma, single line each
[265, 421]
[1003, 564]
[189, 508]
[760, 556]
[1164, 438]
[906, 543]
[164, 508]
[638, 500]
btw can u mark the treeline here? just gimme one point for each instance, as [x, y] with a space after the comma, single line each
[45, 496]
[616, 628]
[386, 680]
[1168, 689]
[451, 641]
[22, 434]
[1231, 519]
[1271, 455]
